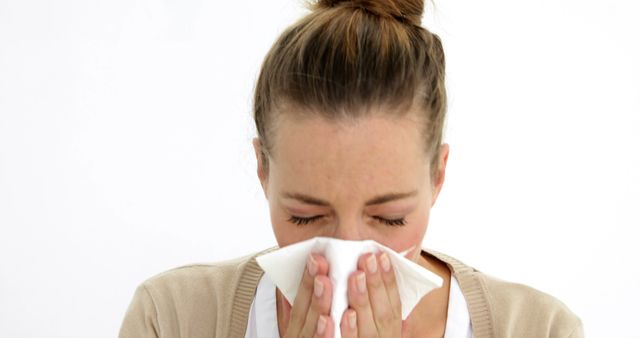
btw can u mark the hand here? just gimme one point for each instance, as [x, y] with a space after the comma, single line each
[374, 301]
[309, 316]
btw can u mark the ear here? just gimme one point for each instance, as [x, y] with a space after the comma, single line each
[439, 181]
[262, 174]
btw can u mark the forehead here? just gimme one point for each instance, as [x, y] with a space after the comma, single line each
[367, 149]
[375, 130]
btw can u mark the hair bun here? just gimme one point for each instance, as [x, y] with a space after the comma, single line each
[402, 10]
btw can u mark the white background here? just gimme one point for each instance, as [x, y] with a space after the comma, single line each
[125, 131]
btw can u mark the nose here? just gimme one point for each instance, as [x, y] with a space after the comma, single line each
[348, 230]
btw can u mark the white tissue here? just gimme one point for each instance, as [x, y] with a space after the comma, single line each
[286, 265]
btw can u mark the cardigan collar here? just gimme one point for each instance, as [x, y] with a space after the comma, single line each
[474, 291]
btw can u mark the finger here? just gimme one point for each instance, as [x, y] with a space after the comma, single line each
[359, 301]
[348, 324]
[389, 278]
[320, 305]
[383, 315]
[324, 327]
[316, 265]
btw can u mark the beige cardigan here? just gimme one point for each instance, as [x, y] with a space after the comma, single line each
[213, 300]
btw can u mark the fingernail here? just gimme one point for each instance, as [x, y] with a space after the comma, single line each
[322, 324]
[362, 284]
[312, 265]
[372, 265]
[384, 261]
[318, 288]
[352, 320]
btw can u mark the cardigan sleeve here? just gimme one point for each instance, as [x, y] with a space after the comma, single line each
[141, 318]
[578, 332]
[195, 301]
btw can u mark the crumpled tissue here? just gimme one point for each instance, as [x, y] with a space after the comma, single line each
[286, 265]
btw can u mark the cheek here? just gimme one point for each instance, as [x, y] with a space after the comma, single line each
[402, 238]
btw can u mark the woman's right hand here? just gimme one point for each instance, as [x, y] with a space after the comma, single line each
[309, 316]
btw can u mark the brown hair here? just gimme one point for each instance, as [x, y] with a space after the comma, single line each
[347, 56]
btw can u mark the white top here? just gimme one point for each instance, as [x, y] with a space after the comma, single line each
[264, 324]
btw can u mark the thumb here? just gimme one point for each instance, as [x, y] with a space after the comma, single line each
[405, 328]
[286, 309]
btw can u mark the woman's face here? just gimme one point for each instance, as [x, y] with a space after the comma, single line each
[365, 179]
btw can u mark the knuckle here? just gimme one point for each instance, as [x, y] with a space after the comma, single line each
[307, 280]
[389, 277]
[375, 281]
[318, 305]
[309, 327]
[385, 319]
[356, 297]
[391, 286]
[296, 321]
[361, 303]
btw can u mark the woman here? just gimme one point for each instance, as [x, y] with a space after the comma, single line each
[349, 108]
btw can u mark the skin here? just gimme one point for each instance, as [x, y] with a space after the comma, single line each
[346, 164]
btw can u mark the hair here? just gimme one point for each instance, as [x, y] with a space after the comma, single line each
[345, 58]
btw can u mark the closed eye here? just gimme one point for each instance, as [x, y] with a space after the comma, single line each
[306, 220]
[303, 220]
[392, 222]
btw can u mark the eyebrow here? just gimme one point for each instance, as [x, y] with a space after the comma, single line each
[376, 200]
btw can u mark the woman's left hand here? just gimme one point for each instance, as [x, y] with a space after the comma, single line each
[374, 302]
